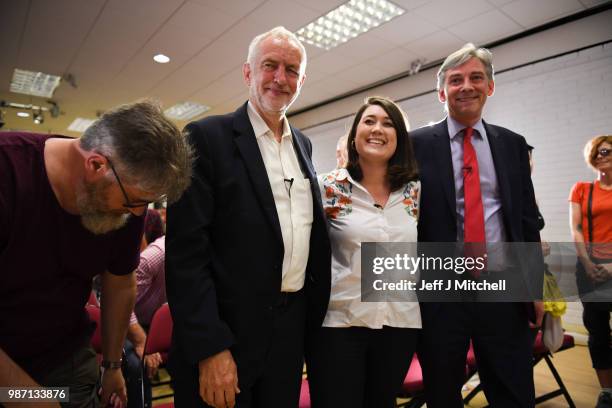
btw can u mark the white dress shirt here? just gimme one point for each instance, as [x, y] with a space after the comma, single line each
[292, 198]
[353, 218]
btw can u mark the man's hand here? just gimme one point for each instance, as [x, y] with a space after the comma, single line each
[113, 389]
[545, 248]
[219, 380]
[538, 308]
[152, 362]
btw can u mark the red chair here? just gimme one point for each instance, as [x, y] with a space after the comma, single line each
[96, 338]
[159, 339]
[413, 387]
[540, 352]
[304, 394]
[93, 300]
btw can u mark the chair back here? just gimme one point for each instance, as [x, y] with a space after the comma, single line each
[96, 338]
[159, 338]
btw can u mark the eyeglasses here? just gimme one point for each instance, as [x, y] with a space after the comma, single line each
[128, 203]
[604, 152]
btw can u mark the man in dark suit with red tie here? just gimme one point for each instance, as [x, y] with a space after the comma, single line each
[476, 188]
[248, 257]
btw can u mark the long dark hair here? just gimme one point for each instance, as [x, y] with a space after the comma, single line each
[402, 167]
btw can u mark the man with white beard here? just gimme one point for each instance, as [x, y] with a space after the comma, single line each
[71, 209]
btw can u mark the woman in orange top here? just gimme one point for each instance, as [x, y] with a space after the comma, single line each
[594, 247]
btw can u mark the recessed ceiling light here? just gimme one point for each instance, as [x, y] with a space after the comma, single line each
[23, 114]
[34, 83]
[80, 124]
[348, 21]
[39, 118]
[186, 110]
[161, 58]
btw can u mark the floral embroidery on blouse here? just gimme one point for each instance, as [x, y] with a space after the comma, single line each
[338, 190]
[411, 199]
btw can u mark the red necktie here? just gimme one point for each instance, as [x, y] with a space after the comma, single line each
[473, 226]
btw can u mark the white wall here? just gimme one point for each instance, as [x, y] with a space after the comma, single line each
[557, 104]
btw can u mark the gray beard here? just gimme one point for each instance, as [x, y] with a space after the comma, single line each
[95, 216]
[101, 223]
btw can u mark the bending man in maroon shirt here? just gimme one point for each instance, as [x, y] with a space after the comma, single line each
[71, 209]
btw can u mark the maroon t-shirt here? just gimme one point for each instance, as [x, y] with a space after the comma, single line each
[47, 260]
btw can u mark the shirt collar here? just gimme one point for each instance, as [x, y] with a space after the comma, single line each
[454, 128]
[259, 125]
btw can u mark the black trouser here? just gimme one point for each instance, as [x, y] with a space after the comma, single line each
[278, 386]
[596, 318]
[503, 345]
[79, 372]
[358, 367]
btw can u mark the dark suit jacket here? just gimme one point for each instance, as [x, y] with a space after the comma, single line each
[438, 215]
[225, 250]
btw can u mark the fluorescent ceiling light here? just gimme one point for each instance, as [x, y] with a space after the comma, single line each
[23, 114]
[80, 124]
[347, 22]
[161, 58]
[186, 110]
[34, 83]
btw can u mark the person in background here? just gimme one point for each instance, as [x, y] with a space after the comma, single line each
[341, 152]
[591, 226]
[477, 189]
[154, 227]
[150, 295]
[360, 356]
[248, 257]
[71, 209]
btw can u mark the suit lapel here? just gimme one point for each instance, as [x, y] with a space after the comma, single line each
[445, 164]
[308, 170]
[496, 141]
[244, 138]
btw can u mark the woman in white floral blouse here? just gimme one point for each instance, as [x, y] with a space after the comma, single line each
[360, 356]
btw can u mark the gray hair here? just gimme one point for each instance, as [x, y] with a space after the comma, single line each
[461, 56]
[147, 149]
[282, 33]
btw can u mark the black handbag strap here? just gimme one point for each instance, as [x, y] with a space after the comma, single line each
[590, 218]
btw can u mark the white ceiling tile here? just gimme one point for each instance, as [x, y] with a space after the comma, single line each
[363, 47]
[486, 27]
[312, 51]
[448, 12]
[153, 9]
[394, 62]
[284, 13]
[49, 44]
[364, 74]
[436, 46]
[405, 28]
[175, 88]
[499, 3]
[226, 53]
[228, 86]
[319, 91]
[12, 21]
[322, 6]
[410, 4]
[331, 62]
[238, 8]
[529, 13]
[178, 40]
[205, 21]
